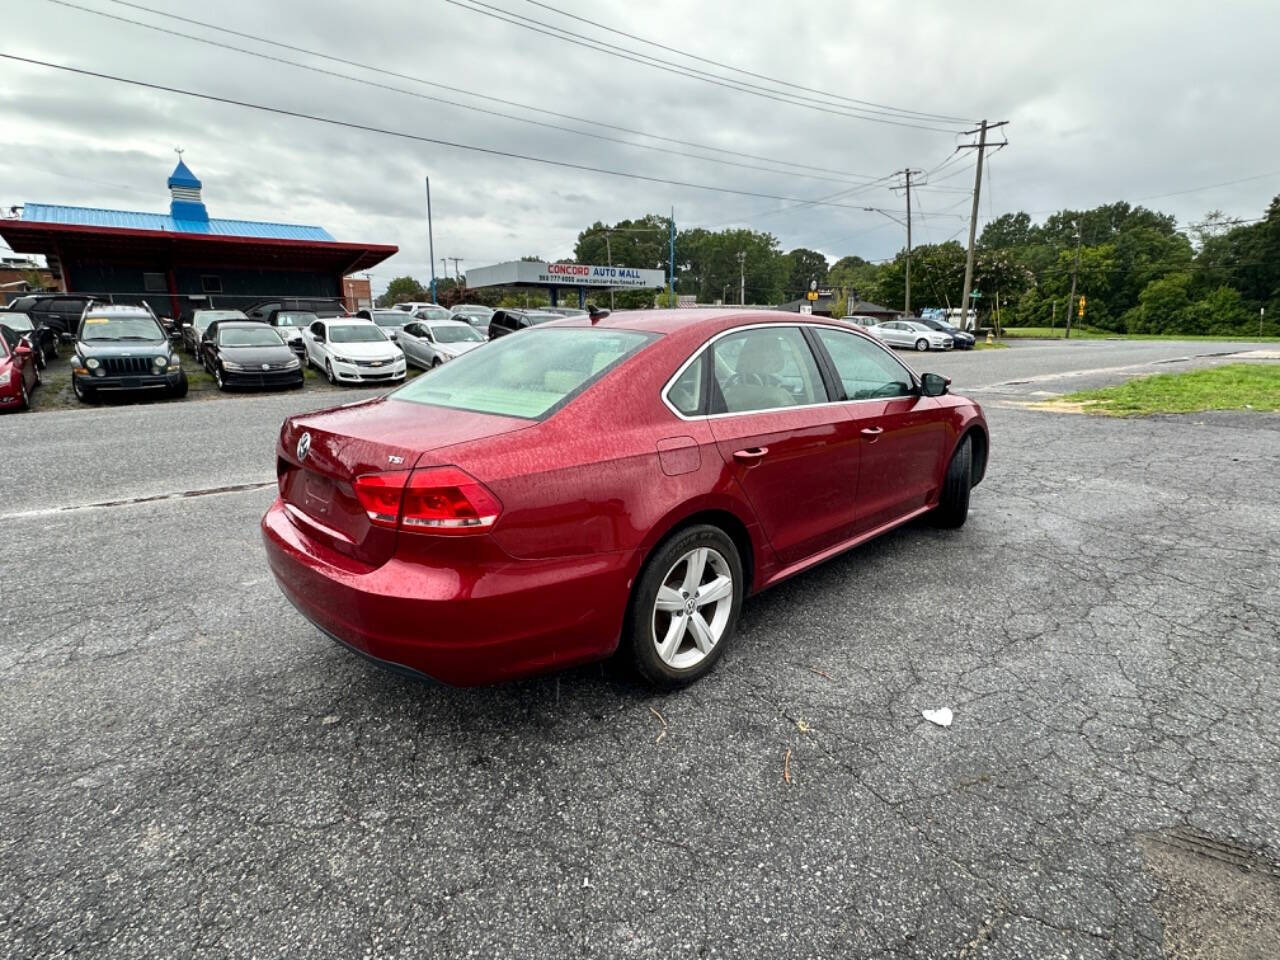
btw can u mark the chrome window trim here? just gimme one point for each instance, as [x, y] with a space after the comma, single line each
[706, 345]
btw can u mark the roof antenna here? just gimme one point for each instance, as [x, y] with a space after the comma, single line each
[596, 313]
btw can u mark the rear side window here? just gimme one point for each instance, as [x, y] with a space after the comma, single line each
[765, 369]
[865, 370]
[685, 393]
[530, 376]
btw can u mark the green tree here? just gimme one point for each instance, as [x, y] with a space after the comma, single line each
[403, 290]
[1161, 306]
[803, 267]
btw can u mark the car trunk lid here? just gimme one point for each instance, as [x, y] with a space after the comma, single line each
[320, 456]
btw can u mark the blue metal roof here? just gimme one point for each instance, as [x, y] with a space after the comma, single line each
[130, 220]
[183, 177]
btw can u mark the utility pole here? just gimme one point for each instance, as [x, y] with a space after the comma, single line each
[671, 277]
[456, 274]
[742, 278]
[907, 174]
[608, 252]
[431, 242]
[444, 266]
[1075, 270]
[981, 147]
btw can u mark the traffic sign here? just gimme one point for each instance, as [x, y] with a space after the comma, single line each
[812, 295]
[1082, 305]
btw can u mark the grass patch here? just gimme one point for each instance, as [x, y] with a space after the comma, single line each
[997, 345]
[1235, 386]
[1090, 333]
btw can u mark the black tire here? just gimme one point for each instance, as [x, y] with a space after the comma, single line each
[83, 394]
[218, 379]
[922, 345]
[179, 391]
[435, 362]
[328, 372]
[39, 376]
[53, 352]
[24, 398]
[639, 627]
[953, 504]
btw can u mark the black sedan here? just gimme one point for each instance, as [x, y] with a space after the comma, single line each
[42, 337]
[245, 353]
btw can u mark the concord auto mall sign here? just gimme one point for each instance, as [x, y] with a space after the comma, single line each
[540, 274]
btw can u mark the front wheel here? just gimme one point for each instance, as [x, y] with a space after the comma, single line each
[435, 363]
[953, 504]
[83, 394]
[685, 607]
[179, 390]
[328, 372]
[922, 344]
[218, 378]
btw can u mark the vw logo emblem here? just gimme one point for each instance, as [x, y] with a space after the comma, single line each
[304, 446]
[266, 366]
[689, 606]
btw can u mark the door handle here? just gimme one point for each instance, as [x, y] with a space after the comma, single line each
[750, 456]
[872, 431]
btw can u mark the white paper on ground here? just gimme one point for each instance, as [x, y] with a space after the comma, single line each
[941, 717]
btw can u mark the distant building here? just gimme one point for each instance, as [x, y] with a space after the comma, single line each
[357, 293]
[185, 259]
[19, 275]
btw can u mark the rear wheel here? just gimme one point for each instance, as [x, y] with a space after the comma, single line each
[922, 344]
[953, 504]
[685, 607]
[53, 352]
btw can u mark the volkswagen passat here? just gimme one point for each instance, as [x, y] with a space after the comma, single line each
[590, 483]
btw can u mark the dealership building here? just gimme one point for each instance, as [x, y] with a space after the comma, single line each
[559, 278]
[185, 259]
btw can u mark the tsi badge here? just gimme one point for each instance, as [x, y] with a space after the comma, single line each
[304, 446]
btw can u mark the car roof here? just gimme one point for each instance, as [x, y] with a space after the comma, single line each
[699, 325]
[238, 324]
[116, 309]
[446, 323]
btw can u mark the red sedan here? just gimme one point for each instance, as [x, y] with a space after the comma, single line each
[592, 482]
[19, 374]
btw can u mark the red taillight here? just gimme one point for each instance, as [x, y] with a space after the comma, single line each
[428, 500]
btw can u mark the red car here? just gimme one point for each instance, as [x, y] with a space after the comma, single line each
[19, 374]
[610, 480]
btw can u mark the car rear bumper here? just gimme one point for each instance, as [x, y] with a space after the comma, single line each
[465, 625]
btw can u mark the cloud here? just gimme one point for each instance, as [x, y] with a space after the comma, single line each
[1106, 102]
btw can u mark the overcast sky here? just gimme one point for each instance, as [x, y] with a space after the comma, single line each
[1106, 101]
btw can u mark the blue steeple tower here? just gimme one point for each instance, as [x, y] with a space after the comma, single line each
[184, 191]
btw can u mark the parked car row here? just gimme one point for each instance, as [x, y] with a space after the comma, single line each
[916, 333]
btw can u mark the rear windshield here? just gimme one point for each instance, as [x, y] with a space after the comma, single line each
[293, 319]
[248, 337]
[528, 376]
[120, 328]
[356, 333]
[391, 318]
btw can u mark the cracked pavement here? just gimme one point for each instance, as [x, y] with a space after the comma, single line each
[189, 769]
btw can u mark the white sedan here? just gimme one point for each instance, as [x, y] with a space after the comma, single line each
[429, 344]
[908, 333]
[353, 351]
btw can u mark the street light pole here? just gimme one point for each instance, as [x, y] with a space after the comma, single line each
[742, 278]
[431, 242]
[1075, 270]
[608, 252]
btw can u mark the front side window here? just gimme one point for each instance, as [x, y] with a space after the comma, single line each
[528, 377]
[764, 369]
[864, 369]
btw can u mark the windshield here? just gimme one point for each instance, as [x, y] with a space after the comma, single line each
[542, 317]
[203, 318]
[434, 313]
[473, 311]
[19, 322]
[248, 337]
[932, 324]
[356, 333]
[389, 318]
[121, 328]
[292, 319]
[529, 376]
[452, 334]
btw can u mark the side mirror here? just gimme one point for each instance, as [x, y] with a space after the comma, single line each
[934, 384]
[23, 349]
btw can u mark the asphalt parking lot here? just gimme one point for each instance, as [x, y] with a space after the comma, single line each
[188, 769]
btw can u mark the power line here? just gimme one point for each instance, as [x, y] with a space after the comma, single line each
[758, 76]
[469, 93]
[367, 128]
[795, 100]
[1211, 186]
[423, 96]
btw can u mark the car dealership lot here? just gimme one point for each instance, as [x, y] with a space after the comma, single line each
[188, 768]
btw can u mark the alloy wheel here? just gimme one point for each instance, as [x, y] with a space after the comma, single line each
[692, 608]
[922, 344]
